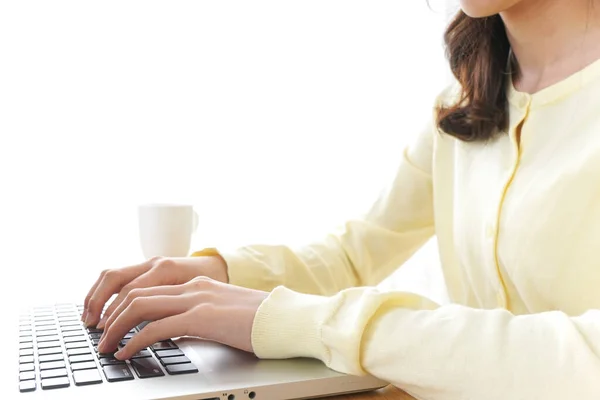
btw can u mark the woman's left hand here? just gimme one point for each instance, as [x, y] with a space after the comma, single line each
[202, 308]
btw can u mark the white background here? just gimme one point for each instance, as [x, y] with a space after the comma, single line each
[276, 119]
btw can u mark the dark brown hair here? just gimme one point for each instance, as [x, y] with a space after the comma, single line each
[479, 52]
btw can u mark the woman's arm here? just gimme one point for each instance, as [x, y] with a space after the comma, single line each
[443, 353]
[364, 252]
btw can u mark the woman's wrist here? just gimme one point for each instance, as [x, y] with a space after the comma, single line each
[217, 268]
[214, 265]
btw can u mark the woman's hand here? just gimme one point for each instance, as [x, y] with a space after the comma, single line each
[157, 271]
[202, 308]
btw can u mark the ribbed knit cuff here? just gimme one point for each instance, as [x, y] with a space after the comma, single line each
[288, 324]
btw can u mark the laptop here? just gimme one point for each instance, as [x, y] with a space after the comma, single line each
[57, 359]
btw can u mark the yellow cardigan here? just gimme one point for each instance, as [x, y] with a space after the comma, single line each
[518, 227]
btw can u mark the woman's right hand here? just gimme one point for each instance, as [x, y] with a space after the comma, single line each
[157, 271]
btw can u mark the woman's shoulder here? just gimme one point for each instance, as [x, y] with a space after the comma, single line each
[449, 95]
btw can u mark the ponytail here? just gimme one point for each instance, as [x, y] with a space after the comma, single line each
[478, 51]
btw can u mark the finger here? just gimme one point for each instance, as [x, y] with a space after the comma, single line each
[112, 281]
[152, 277]
[169, 327]
[142, 309]
[170, 290]
[86, 302]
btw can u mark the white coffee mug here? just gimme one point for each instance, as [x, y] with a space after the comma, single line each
[166, 229]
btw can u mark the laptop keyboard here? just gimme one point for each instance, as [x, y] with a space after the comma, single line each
[56, 350]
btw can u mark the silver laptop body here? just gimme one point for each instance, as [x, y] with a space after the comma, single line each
[54, 337]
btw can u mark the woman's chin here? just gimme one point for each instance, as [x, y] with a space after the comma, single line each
[486, 8]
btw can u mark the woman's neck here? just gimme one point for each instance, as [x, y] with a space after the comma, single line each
[552, 39]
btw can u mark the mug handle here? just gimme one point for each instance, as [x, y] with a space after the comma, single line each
[195, 221]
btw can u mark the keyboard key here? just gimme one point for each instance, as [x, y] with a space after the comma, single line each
[25, 359]
[69, 318]
[45, 345]
[50, 350]
[73, 328]
[51, 338]
[174, 360]
[44, 318]
[143, 325]
[74, 339]
[26, 352]
[167, 345]
[26, 367]
[115, 373]
[52, 365]
[129, 335]
[25, 376]
[43, 313]
[81, 358]
[169, 353]
[25, 332]
[49, 332]
[40, 319]
[77, 345]
[84, 365]
[94, 330]
[53, 373]
[45, 329]
[27, 386]
[73, 333]
[25, 346]
[25, 339]
[95, 335]
[51, 357]
[110, 361]
[146, 367]
[67, 312]
[76, 352]
[177, 369]
[142, 354]
[87, 377]
[69, 323]
[44, 323]
[95, 342]
[55, 383]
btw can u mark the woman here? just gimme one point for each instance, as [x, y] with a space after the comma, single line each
[506, 175]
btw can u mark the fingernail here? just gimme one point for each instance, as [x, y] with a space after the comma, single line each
[101, 323]
[84, 315]
[118, 354]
